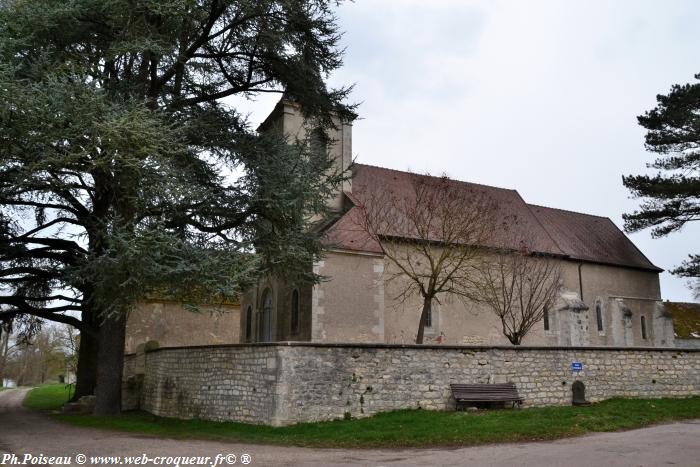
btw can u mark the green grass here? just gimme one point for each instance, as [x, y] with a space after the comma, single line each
[686, 318]
[47, 397]
[417, 428]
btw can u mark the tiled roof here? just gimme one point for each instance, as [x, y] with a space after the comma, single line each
[591, 238]
[545, 230]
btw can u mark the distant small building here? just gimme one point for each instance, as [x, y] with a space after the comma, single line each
[67, 378]
[9, 383]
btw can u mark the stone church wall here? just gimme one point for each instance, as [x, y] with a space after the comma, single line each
[349, 305]
[169, 324]
[361, 301]
[281, 384]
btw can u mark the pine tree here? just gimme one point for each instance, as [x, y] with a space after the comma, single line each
[672, 195]
[123, 172]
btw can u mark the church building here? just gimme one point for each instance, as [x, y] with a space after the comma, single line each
[610, 294]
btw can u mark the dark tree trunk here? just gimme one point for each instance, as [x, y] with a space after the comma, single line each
[4, 347]
[110, 364]
[86, 373]
[427, 303]
[515, 339]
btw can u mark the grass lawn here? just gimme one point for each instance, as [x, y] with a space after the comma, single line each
[48, 396]
[403, 428]
[418, 428]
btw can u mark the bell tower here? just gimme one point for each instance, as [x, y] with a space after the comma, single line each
[288, 119]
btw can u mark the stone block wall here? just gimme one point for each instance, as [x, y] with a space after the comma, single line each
[130, 367]
[323, 383]
[212, 383]
[285, 383]
[132, 382]
[687, 343]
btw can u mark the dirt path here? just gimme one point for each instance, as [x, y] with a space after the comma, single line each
[26, 432]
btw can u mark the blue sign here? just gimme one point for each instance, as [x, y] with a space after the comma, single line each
[576, 366]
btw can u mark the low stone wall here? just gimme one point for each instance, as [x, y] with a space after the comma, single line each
[212, 383]
[132, 382]
[286, 383]
[687, 343]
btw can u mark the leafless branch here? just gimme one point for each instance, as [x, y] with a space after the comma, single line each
[518, 287]
[433, 233]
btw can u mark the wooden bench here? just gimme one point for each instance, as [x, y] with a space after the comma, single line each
[505, 392]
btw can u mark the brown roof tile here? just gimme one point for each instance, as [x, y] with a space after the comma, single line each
[545, 230]
[591, 238]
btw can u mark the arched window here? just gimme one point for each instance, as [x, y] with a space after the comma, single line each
[644, 328]
[249, 323]
[545, 318]
[294, 319]
[265, 332]
[599, 316]
[318, 142]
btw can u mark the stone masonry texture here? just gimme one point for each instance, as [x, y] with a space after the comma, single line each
[286, 383]
[212, 383]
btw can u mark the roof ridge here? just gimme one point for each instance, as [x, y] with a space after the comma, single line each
[406, 172]
[537, 219]
[569, 211]
[574, 235]
[484, 185]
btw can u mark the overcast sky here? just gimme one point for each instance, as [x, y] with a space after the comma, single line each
[539, 96]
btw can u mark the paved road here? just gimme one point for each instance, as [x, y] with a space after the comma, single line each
[23, 432]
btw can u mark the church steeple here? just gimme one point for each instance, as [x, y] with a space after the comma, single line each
[288, 119]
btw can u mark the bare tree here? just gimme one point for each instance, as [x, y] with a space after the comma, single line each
[432, 231]
[518, 286]
[5, 329]
[36, 359]
[69, 339]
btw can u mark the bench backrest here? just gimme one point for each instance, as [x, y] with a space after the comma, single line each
[485, 392]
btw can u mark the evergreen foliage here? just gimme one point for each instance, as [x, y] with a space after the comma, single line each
[672, 195]
[123, 170]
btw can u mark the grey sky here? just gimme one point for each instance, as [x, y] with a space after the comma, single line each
[539, 96]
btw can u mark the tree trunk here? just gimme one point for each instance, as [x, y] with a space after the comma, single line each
[110, 361]
[23, 379]
[110, 364]
[4, 347]
[86, 373]
[515, 339]
[427, 303]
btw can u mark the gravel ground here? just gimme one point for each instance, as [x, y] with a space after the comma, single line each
[26, 432]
